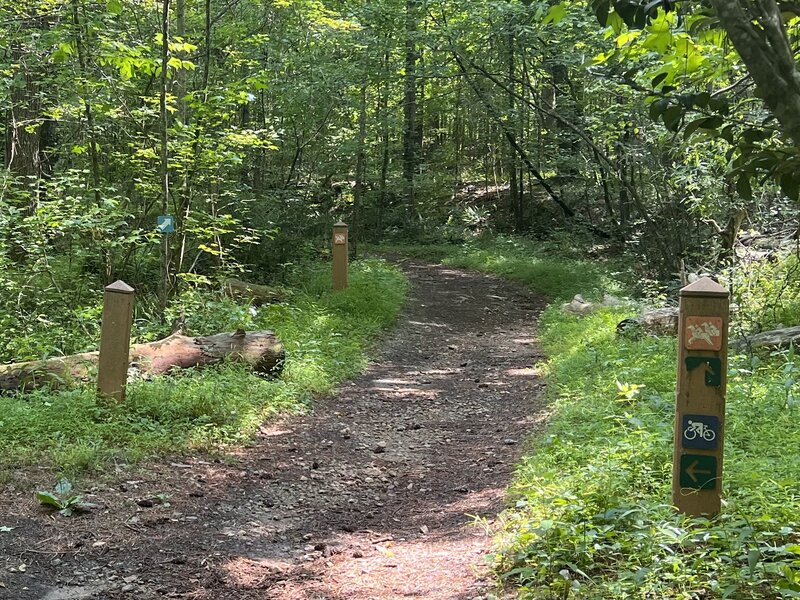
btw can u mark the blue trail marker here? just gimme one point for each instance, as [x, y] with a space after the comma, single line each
[165, 224]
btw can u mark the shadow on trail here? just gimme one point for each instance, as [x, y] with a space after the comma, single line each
[374, 495]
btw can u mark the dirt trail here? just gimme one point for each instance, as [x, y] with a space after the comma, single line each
[366, 498]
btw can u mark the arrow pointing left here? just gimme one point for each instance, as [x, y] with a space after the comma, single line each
[693, 471]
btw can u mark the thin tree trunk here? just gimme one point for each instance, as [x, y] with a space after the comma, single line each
[410, 158]
[513, 185]
[165, 288]
[358, 190]
[384, 111]
[27, 131]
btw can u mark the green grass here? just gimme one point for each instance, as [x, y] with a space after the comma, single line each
[592, 517]
[545, 267]
[591, 513]
[326, 336]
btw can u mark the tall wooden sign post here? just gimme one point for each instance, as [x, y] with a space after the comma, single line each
[115, 340]
[700, 409]
[340, 256]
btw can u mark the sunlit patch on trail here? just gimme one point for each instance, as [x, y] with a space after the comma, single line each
[429, 324]
[524, 372]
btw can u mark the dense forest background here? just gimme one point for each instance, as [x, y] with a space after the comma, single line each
[658, 128]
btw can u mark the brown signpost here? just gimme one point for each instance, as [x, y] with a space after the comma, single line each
[340, 256]
[115, 340]
[700, 408]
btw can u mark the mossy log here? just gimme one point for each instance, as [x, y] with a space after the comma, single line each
[260, 349]
[255, 294]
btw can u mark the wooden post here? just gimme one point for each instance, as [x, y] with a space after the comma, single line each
[700, 408]
[115, 340]
[340, 256]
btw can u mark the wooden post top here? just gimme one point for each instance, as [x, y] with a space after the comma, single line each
[119, 287]
[340, 225]
[705, 287]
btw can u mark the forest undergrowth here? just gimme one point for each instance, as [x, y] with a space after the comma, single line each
[327, 337]
[590, 511]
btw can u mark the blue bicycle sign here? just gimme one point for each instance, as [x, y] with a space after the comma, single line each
[700, 431]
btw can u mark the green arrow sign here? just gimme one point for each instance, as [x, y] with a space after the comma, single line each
[711, 366]
[698, 471]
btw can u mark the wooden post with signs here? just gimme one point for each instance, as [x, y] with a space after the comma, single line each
[700, 408]
[115, 340]
[340, 256]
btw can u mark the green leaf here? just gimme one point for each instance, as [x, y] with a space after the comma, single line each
[601, 10]
[657, 108]
[692, 127]
[555, 14]
[753, 557]
[707, 123]
[727, 134]
[790, 185]
[114, 7]
[658, 41]
[672, 117]
[753, 136]
[658, 79]
[743, 187]
[48, 499]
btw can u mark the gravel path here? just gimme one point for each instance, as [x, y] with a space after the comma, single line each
[372, 496]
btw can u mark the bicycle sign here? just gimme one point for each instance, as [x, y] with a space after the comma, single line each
[700, 431]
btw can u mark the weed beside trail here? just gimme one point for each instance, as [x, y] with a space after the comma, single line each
[326, 336]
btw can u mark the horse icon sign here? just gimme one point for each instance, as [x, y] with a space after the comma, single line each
[700, 431]
[703, 333]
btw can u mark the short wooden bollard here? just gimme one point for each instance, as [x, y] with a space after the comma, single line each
[700, 408]
[340, 256]
[115, 340]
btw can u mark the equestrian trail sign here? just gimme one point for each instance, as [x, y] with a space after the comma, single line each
[700, 402]
[340, 255]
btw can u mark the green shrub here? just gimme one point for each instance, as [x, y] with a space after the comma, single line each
[326, 336]
[767, 294]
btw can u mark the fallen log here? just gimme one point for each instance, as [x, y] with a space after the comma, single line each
[261, 350]
[579, 306]
[777, 338]
[661, 321]
[255, 294]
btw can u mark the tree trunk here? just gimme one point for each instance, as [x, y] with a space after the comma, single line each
[410, 158]
[259, 349]
[166, 279]
[28, 132]
[756, 29]
[513, 184]
[361, 159]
